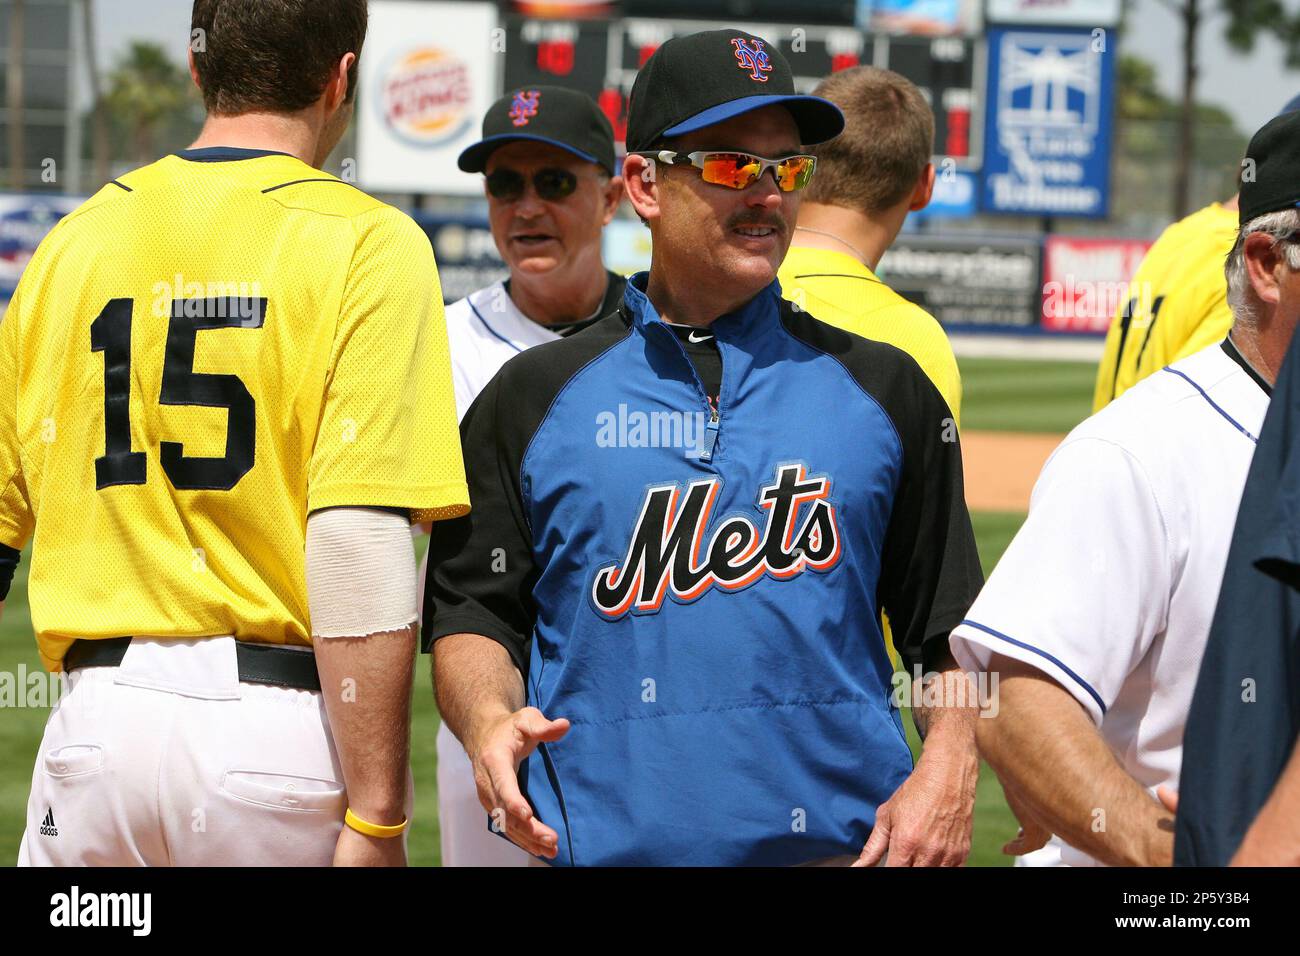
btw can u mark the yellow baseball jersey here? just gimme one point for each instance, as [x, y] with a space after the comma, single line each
[841, 291]
[1177, 304]
[202, 354]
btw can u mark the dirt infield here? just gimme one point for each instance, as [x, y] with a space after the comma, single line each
[1001, 468]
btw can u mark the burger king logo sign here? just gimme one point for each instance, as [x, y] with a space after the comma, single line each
[425, 96]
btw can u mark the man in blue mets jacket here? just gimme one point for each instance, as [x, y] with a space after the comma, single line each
[658, 632]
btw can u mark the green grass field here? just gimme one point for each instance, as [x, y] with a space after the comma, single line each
[1013, 395]
[1036, 396]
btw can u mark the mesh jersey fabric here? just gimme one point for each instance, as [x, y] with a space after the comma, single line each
[1177, 303]
[840, 290]
[195, 359]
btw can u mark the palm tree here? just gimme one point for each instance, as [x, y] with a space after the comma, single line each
[1246, 19]
[145, 89]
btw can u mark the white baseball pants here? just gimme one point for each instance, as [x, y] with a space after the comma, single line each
[168, 759]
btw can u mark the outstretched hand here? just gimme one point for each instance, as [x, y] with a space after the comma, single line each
[504, 746]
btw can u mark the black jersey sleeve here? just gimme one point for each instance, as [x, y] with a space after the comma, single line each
[481, 571]
[8, 565]
[929, 569]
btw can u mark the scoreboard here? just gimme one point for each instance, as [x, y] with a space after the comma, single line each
[601, 58]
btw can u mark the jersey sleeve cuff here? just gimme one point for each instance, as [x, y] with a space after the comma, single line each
[1284, 569]
[437, 502]
[12, 537]
[446, 624]
[974, 644]
[1279, 555]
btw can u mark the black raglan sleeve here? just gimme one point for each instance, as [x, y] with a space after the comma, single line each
[481, 570]
[481, 573]
[930, 570]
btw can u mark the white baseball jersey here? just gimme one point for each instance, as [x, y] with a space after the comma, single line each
[1110, 586]
[485, 330]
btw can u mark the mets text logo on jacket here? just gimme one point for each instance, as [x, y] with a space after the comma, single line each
[664, 554]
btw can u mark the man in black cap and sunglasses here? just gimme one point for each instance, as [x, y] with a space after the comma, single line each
[658, 631]
[547, 155]
[548, 158]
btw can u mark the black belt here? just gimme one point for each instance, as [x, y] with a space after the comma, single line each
[258, 663]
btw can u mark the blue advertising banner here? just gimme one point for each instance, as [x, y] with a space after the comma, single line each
[953, 197]
[465, 251]
[1048, 123]
[24, 222]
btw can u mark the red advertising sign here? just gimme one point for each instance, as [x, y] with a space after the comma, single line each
[1086, 280]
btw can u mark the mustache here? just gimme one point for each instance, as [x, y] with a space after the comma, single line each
[749, 219]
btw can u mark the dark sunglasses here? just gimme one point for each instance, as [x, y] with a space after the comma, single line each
[549, 184]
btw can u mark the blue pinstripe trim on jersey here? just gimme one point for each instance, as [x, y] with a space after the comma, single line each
[489, 328]
[1041, 653]
[1235, 424]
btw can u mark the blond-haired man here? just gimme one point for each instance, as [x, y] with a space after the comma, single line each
[868, 179]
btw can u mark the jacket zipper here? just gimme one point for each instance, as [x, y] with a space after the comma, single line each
[714, 424]
[711, 432]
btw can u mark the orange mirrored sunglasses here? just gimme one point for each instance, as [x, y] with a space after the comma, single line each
[741, 170]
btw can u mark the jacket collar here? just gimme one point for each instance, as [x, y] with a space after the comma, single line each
[755, 318]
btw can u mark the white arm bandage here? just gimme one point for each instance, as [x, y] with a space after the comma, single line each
[360, 572]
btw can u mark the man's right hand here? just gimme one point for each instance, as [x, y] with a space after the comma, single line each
[502, 746]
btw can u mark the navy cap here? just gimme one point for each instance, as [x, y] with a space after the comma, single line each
[1274, 183]
[545, 114]
[705, 78]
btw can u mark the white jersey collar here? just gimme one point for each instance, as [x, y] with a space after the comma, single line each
[492, 309]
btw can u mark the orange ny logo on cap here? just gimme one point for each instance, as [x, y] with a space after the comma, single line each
[754, 59]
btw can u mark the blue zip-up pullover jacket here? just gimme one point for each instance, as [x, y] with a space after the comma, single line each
[698, 588]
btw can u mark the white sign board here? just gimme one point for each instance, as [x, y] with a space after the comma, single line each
[428, 74]
[1057, 13]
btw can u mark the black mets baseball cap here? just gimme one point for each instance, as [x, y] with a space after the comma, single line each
[1271, 178]
[547, 114]
[695, 81]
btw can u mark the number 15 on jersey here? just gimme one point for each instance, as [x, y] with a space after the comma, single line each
[110, 334]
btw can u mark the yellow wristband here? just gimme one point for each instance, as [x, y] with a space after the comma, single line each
[373, 829]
